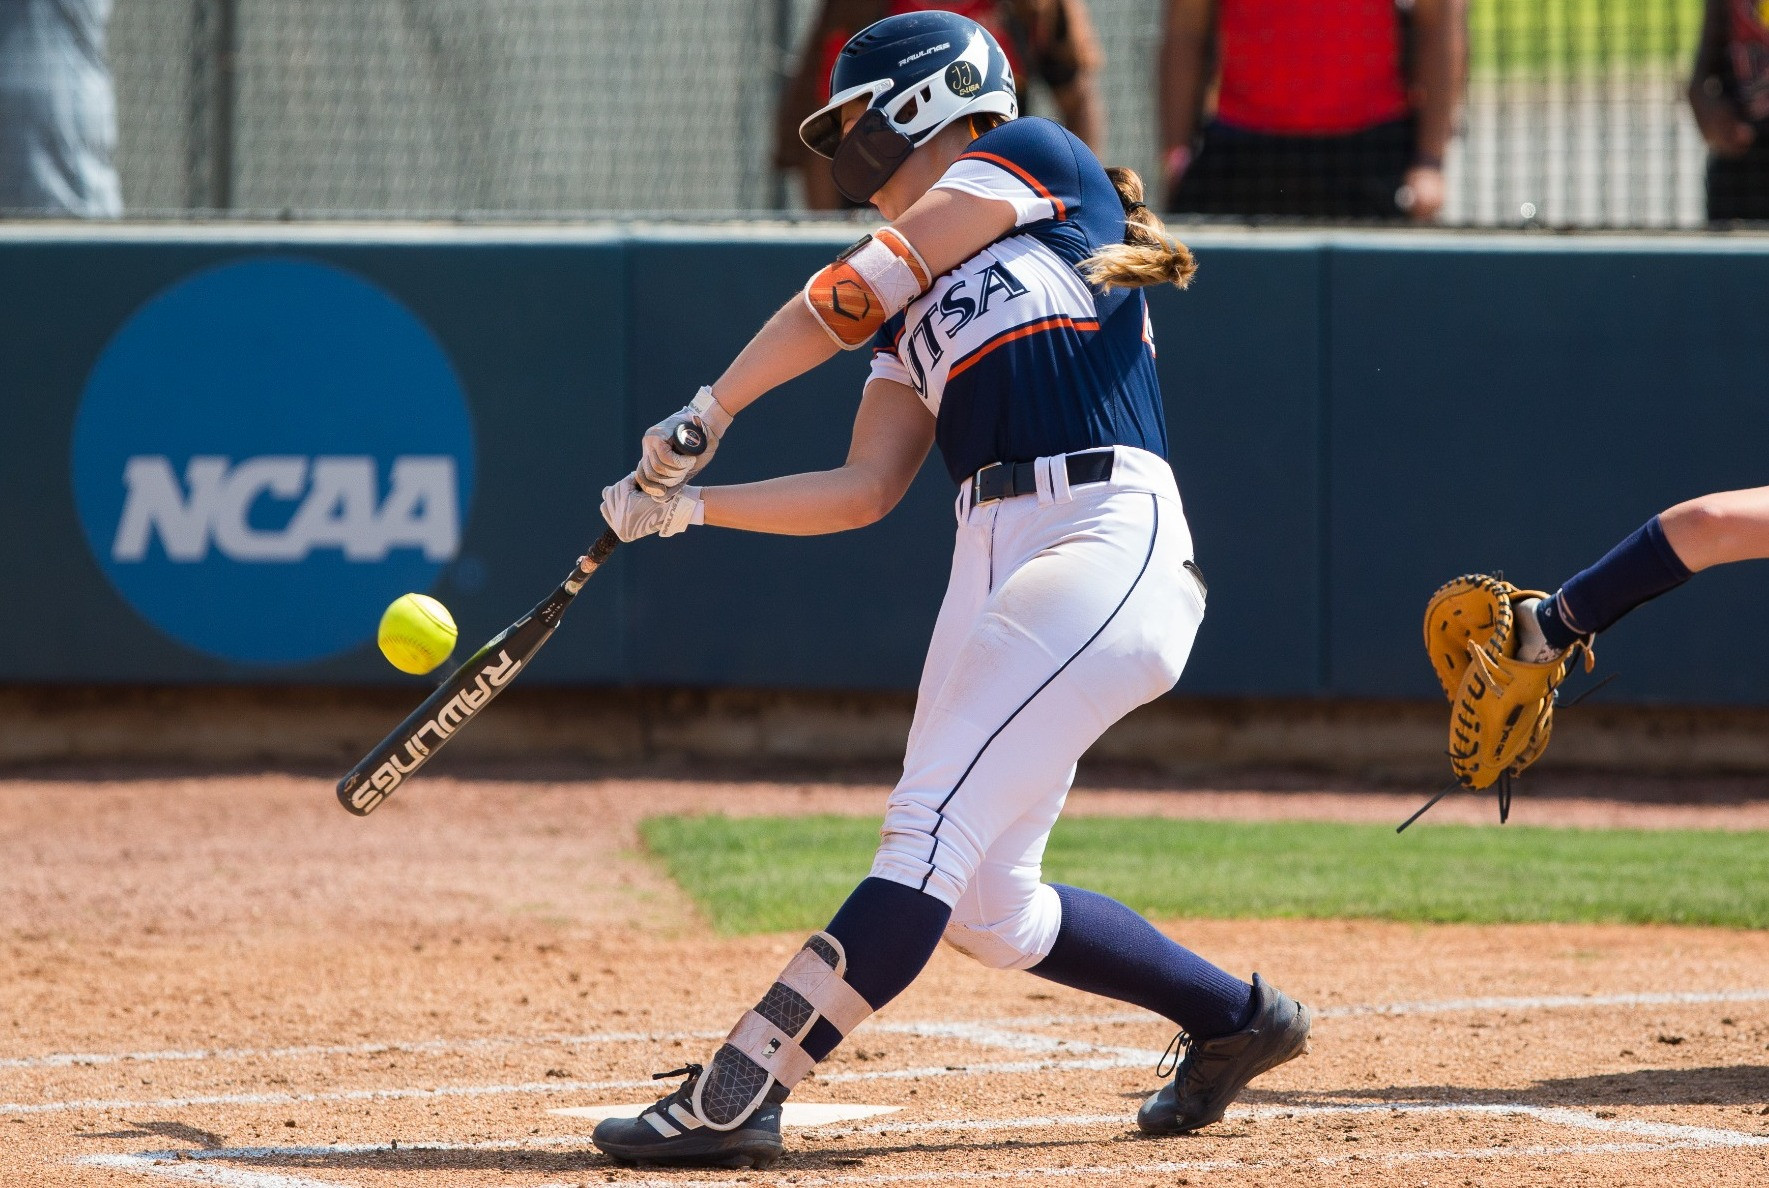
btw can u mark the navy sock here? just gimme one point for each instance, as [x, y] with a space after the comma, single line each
[1637, 570]
[888, 932]
[1104, 948]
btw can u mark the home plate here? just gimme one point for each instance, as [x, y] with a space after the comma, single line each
[794, 1114]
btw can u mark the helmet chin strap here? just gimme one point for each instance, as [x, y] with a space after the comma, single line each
[981, 122]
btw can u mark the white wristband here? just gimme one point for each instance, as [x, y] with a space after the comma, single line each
[697, 517]
[706, 406]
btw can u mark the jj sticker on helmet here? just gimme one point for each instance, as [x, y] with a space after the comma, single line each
[963, 79]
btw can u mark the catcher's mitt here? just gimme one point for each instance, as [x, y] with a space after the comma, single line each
[1473, 608]
[1503, 707]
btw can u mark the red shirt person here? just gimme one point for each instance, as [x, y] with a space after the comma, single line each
[1325, 108]
[1729, 93]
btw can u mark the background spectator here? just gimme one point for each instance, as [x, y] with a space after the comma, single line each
[1332, 108]
[58, 109]
[1052, 39]
[1730, 95]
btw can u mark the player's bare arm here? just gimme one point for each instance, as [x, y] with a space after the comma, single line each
[944, 229]
[1719, 529]
[1183, 83]
[1438, 32]
[936, 231]
[892, 435]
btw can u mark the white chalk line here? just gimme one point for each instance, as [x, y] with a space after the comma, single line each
[1704, 1136]
[986, 1034]
[164, 1166]
[77, 1059]
[1201, 1166]
[246, 1178]
[935, 1030]
[176, 1103]
[1669, 1137]
[991, 1068]
[1447, 1006]
[981, 1035]
[1545, 1003]
[992, 1035]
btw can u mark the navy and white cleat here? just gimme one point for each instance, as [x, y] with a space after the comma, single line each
[668, 1132]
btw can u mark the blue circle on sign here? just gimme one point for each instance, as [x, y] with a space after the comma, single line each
[267, 454]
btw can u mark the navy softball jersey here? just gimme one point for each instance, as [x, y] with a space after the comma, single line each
[1015, 354]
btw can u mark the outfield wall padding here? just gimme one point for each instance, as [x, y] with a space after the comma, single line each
[1354, 417]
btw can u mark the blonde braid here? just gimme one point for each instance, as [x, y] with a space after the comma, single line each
[1148, 255]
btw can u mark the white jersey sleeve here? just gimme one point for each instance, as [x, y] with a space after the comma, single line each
[984, 179]
[886, 365]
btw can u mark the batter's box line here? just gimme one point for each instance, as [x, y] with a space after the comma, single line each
[990, 1068]
[244, 1178]
[1003, 1025]
[1564, 1116]
[416, 1047]
[194, 1166]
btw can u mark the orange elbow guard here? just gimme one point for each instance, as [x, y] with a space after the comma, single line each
[877, 277]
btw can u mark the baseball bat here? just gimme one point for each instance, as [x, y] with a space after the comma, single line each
[458, 700]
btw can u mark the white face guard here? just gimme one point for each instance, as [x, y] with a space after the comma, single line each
[822, 129]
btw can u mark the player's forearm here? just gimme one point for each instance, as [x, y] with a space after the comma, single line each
[809, 504]
[1710, 47]
[787, 346]
[1434, 21]
[1182, 70]
[1083, 111]
[1719, 529]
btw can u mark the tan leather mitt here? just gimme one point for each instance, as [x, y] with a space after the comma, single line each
[1473, 608]
[1502, 708]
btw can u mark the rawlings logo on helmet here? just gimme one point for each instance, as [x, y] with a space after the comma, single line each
[919, 54]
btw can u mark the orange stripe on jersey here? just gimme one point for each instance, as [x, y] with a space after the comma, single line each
[1058, 322]
[1036, 186]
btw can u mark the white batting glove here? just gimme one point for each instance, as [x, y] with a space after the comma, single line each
[662, 471]
[632, 513]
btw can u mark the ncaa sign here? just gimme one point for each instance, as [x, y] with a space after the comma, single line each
[268, 453]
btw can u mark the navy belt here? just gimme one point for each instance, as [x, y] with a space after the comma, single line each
[1004, 480]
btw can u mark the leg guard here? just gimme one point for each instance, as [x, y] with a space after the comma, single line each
[763, 1049]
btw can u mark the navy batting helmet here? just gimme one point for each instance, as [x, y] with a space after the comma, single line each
[918, 72]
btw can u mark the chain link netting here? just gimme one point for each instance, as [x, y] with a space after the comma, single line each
[1574, 112]
[444, 107]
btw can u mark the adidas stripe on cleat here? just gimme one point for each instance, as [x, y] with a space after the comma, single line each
[668, 1132]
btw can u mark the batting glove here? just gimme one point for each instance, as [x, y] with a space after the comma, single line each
[632, 513]
[662, 471]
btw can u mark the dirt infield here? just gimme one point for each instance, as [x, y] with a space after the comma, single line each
[226, 980]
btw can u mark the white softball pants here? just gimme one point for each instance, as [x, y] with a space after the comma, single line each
[1065, 611]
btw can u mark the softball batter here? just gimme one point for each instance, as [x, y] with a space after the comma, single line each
[1002, 306]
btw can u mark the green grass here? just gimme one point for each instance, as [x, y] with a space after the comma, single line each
[770, 874]
[1539, 36]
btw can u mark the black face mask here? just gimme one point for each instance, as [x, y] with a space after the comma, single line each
[868, 155]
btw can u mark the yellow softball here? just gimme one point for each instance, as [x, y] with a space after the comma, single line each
[417, 633]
